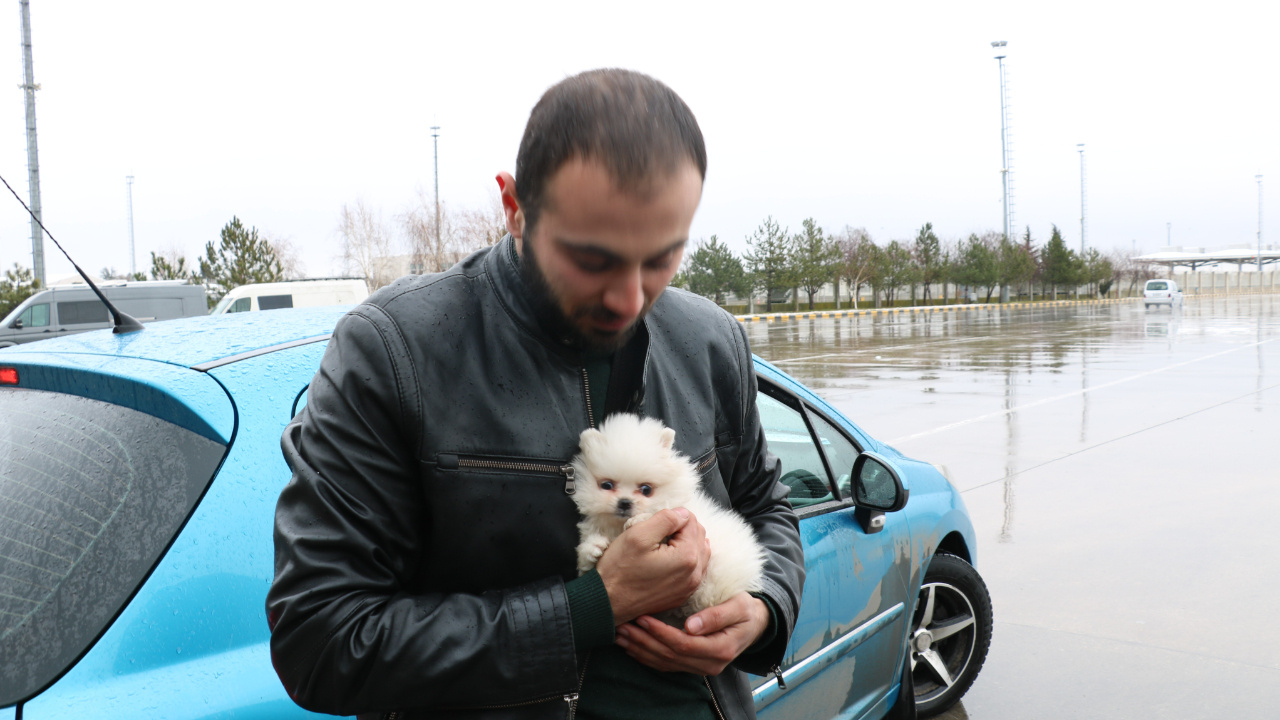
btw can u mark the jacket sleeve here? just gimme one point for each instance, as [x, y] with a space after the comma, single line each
[756, 493]
[348, 633]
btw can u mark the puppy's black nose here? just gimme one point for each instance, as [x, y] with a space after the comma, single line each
[624, 507]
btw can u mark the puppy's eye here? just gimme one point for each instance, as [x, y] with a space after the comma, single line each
[606, 485]
[646, 490]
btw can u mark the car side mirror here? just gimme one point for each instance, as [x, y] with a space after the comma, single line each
[17, 324]
[877, 489]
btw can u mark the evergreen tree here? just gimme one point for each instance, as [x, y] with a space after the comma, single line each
[240, 258]
[169, 268]
[928, 256]
[978, 264]
[17, 285]
[817, 259]
[768, 260]
[896, 269]
[110, 273]
[713, 271]
[1016, 264]
[1058, 264]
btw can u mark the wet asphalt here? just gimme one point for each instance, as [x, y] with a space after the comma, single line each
[1122, 468]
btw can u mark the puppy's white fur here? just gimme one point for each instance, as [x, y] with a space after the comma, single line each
[625, 472]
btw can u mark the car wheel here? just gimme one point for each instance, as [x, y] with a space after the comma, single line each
[951, 631]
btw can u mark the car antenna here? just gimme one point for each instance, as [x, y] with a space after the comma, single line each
[122, 322]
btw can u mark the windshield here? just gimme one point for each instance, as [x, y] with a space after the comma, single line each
[1157, 285]
[91, 494]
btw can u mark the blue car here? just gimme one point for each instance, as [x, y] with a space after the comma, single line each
[138, 479]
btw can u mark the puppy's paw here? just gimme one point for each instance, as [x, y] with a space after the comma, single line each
[589, 552]
[637, 519]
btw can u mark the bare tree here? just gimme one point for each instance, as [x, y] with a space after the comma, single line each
[288, 254]
[859, 259]
[481, 227]
[366, 244]
[430, 251]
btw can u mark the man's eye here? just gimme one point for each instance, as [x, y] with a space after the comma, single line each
[606, 485]
[661, 263]
[592, 263]
[646, 490]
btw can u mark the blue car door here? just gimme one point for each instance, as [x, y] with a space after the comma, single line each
[845, 655]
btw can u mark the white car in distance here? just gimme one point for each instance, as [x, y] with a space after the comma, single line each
[1161, 292]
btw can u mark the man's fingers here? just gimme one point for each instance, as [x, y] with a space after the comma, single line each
[715, 619]
[661, 526]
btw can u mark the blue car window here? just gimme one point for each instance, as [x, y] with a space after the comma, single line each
[840, 452]
[790, 441]
[91, 495]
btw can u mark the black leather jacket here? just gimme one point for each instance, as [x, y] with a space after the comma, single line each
[423, 543]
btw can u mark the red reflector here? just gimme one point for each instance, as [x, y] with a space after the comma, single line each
[8, 376]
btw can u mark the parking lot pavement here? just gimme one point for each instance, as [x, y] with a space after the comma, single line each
[1122, 471]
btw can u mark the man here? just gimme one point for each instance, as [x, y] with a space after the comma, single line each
[425, 560]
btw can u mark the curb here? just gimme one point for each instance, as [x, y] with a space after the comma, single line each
[928, 309]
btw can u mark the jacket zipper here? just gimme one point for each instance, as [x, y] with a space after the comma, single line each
[566, 470]
[586, 389]
[572, 698]
[777, 672]
[706, 463]
[714, 703]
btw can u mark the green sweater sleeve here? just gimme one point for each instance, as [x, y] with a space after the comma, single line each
[590, 614]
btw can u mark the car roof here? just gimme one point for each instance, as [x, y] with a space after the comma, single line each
[199, 342]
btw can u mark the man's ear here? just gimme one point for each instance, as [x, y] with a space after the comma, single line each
[511, 206]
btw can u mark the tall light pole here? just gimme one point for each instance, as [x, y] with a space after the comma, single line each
[133, 265]
[1080, 147]
[1259, 179]
[435, 151]
[1004, 136]
[29, 88]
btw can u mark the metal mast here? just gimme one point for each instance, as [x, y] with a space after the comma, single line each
[1080, 146]
[29, 88]
[1006, 169]
[1259, 179]
[435, 151]
[133, 266]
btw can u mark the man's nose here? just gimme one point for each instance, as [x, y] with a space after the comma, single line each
[625, 296]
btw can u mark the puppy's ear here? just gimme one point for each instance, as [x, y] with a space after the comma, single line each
[590, 440]
[667, 438]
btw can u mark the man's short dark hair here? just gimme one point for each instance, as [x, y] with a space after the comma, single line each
[637, 127]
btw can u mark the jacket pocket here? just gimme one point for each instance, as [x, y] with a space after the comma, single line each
[497, 521]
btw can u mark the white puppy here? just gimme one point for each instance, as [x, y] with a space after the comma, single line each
[625, 472]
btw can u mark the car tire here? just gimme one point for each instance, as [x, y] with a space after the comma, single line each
[950, 633]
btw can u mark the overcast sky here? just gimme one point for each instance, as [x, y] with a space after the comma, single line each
[875, 115]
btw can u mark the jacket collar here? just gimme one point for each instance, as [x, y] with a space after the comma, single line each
[631, 361]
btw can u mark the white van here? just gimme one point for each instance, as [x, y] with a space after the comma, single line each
[293, 293]
[68, 309]
[1162, 291]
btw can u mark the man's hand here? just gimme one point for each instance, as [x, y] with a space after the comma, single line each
[654, 565]
[710, 641]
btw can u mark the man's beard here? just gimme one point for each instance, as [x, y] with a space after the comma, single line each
[550, 313]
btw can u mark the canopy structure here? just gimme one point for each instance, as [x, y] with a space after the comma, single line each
[1193, 258]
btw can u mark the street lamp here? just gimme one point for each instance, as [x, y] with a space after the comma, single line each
[1080, 147]
[1259, 179]
[1004, 134]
